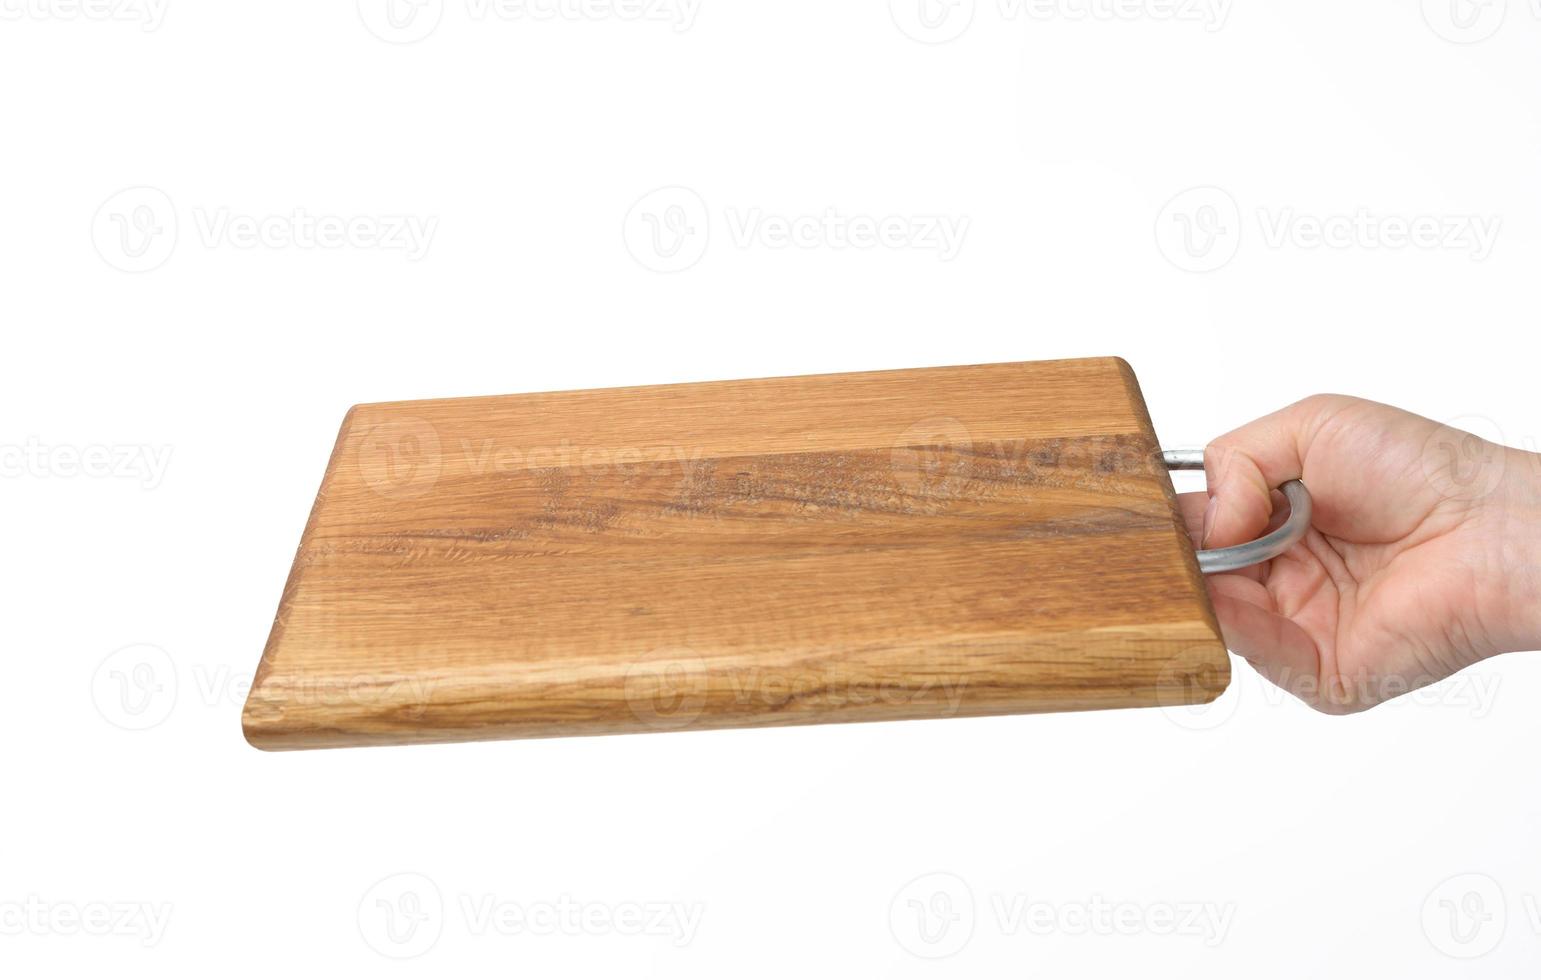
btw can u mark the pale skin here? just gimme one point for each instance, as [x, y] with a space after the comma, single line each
[1424, 555]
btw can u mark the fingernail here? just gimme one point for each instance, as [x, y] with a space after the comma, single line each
[1209, 519]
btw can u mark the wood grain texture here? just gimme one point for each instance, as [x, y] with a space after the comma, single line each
[902, 544]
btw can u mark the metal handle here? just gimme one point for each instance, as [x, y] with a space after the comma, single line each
[1268, 546]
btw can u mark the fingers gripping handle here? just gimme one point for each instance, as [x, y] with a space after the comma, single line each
[1268, 546]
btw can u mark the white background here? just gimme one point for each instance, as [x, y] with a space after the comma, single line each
[1058, 133]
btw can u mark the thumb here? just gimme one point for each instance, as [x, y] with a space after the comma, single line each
[1243, 467]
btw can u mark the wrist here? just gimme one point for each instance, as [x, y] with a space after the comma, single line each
[1519, 536]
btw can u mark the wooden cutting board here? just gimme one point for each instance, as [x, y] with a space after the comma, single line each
[848, 547]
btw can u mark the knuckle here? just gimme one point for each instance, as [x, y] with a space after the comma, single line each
[1325, 401]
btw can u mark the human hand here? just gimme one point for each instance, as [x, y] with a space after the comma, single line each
[1424, 554]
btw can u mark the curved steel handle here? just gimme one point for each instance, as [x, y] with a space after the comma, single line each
[1270, 545]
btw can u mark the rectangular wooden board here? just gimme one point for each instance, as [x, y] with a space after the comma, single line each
[932, 543]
